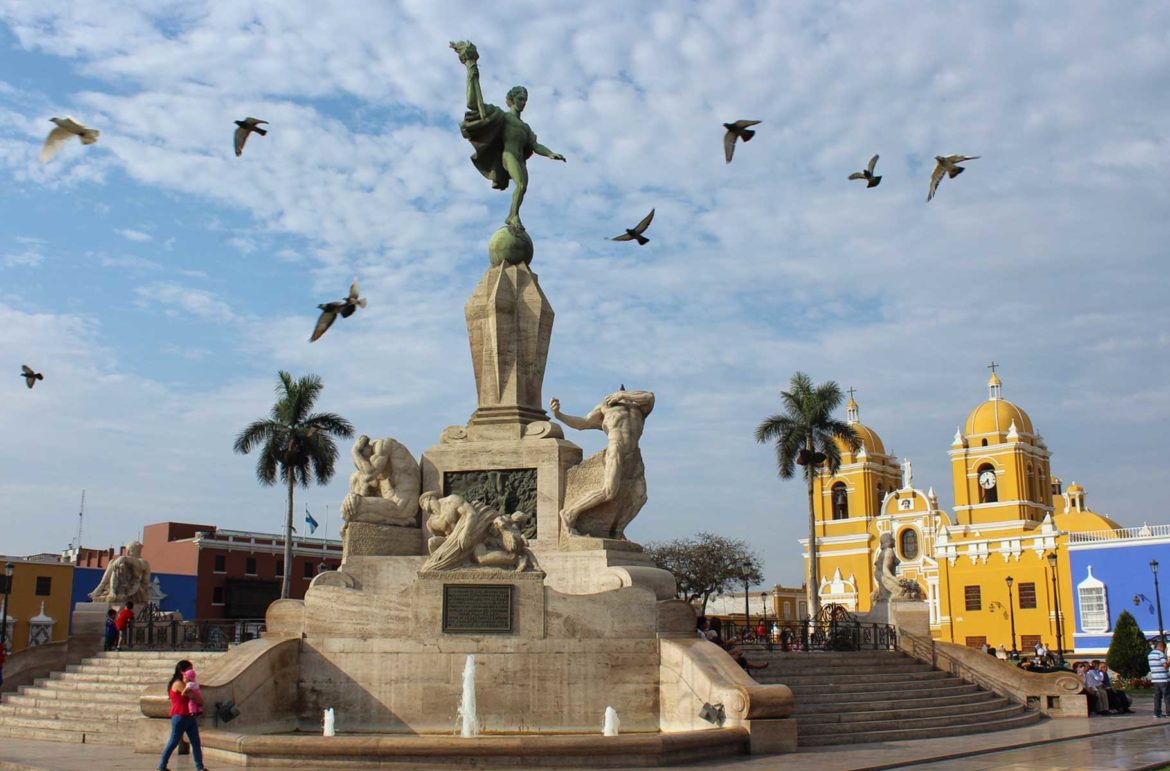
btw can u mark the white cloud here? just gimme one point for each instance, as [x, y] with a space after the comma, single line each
[133, 235]
[1044, 255]
[177, 299]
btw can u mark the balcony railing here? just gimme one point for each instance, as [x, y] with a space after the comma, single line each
[1121, 534]
[164, 632]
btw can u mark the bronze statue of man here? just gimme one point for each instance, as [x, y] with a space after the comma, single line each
[503, 142]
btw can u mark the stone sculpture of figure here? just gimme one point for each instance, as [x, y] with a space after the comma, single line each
[466, 533]
[127, 577]
[503, 142]
[384, 489]
[604, 492]
[884, 571]
[907, 474]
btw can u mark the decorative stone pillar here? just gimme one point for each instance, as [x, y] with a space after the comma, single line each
[509, 325]
[40, 628]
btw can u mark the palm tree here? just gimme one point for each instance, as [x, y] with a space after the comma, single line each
[295, 445]
[807, 434]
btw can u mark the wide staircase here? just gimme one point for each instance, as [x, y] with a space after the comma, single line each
[94, 701]
[859, 697]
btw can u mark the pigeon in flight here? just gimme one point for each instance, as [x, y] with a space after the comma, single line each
[635, 233]
[737, 130]
[867, 174]
[30, 377]
[67, 128]
[330, 311]
[246, 127]
[948, 165]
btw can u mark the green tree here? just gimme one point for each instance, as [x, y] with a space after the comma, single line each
[1128, 648]
[706, 565]
[806, 435]
[296, 446]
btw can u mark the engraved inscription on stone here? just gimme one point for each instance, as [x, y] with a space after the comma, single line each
[506, 491]
[477, 608]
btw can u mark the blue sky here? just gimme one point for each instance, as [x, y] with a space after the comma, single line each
[160, 282]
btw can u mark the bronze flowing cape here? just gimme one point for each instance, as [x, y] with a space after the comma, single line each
[487, 137]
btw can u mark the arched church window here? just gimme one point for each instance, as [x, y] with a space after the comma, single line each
[984, 442]
[908, 541]
[840, 501]
[988, 490]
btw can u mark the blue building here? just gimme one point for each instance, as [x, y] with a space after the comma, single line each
[172, 591]
[1110, 573]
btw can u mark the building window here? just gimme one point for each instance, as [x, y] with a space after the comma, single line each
[973, 595]
[976, 642]
[220, 564]
[217, 596]
[1029, 641]
[909, 543]
[1093, 605]
[4, 587]
[1027, 596]
[44, 586]
[250, 566]
[840, 501]
[787, 610]
[309, 572]
[985, 477]
[280, 568]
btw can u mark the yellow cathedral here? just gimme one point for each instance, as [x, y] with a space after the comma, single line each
[1002, 548]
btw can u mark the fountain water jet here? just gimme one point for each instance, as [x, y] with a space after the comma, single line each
[612, 725]
[329, 723]
[467, 702]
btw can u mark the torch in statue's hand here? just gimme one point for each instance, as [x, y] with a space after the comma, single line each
[466, 51]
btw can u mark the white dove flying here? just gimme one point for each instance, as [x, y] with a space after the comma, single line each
[67, 128]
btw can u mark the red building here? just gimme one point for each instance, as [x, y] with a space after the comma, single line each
[238, 573]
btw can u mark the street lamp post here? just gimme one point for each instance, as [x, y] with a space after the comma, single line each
[1012, 610]
[764, 602]
[1056, 599]
[8, 569]
[747, 618]
[1158, 601]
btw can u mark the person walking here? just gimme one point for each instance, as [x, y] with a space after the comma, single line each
[183, 722]
[1160, 678]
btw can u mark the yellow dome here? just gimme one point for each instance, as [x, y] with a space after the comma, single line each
[869, 440]
[1075, 488]
[996, 416]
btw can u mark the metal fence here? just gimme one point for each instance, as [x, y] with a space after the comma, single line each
[164, 631]
[833, 629]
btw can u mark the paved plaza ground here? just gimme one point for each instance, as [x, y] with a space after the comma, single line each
[1137, 741]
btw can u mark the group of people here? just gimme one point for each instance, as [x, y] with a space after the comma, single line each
[118, 626]
[1103, 697]
[712, 631]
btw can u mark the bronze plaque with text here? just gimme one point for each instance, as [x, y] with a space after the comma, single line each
[477, 608]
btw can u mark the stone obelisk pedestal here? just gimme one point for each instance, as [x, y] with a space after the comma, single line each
[509, 455]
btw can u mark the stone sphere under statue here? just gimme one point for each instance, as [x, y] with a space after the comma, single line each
[510, 246]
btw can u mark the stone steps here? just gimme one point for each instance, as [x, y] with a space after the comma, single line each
[1024, 718]
[832, 706]
[93, 701]
[853, 698]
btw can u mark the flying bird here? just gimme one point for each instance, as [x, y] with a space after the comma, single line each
[30, 377]
[867, 174]
[635, 233]
[67, 128]
[737, 130]
[246, 127]
[948, 165]
[344, 308]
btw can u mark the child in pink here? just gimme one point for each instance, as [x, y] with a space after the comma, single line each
[194, 705]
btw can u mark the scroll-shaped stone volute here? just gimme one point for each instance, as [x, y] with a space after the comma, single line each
[606, 491]
[470, 534]
[384, 489]
[127, 577]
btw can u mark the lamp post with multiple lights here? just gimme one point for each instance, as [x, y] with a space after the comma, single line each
[746, 566]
